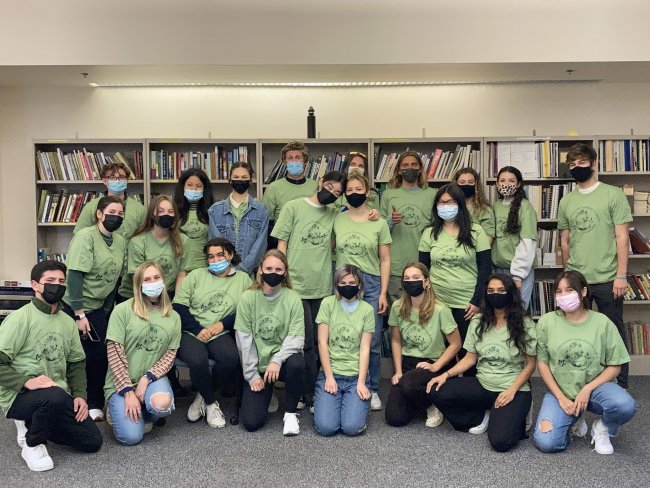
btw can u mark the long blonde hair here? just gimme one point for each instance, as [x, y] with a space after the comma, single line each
[150, 221]
[480, 203]
[396, 179]
[429, 301]
[286, 281]
[142, 303]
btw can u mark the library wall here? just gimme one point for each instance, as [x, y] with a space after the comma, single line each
[473, 111]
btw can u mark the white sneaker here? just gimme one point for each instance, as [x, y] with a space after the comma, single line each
[274, 404]
[37, 458]
[529, 417]
[600, 438]
[148, 427]
[375, 402]
[215, 417]
[96, 415]
[21, 432]
[434, 417]
[579, 429]
[197, 409]
[483, 426]
[291, 426]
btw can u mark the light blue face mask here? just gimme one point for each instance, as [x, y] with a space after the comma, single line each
[116, 187]
[448, 212]
[153, 290]
[219, 267]
[295, 168]
[193, 195]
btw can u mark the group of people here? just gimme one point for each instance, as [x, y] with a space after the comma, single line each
[298, 288]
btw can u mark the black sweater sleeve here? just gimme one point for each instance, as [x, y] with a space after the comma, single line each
[484, 265]
[228, 322]
[188, 322]
[425, 258]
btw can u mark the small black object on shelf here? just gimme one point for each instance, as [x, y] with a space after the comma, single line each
[311, 124]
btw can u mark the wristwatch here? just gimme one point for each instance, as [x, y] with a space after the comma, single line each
[80, 316]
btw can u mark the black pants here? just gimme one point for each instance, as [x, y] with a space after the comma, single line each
[602, 294]
[49, 415]
[463, 402]
[312, 363]
[463, 326]
[403, 404]
[195, 353]
[255, 404]
[96, 357]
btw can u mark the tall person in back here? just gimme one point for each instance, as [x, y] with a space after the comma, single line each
[469, 181]
[594, 220]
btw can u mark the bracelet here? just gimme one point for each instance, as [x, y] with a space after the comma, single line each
[80, 316]
[621, 277]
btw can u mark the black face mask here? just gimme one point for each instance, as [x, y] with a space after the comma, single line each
[272, 279]
[348, 291]
[240, 186]
[53, 293]
[581, 173]
[325, 197]
[166, 221]
[112, 222]
[413, 288]
[468, 190]
[410, 175]
[498, 300]
[356, 199]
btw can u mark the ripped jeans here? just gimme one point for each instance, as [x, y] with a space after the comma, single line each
[130, 433]
[613, 403]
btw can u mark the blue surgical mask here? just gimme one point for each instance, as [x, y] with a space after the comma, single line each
[193, 195]
[219, 267]
[153, 290]
[295, 168]
[116, 187]
[448, 212]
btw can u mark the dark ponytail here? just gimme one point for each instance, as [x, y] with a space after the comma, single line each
[513, 225]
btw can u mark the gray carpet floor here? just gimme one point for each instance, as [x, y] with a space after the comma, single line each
[183, 454]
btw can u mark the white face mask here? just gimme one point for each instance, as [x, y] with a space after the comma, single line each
[153, 290]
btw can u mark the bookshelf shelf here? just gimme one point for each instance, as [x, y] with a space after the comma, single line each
[56, 224]
[173, 182]
[624, 173]
[82, 182]
[639, 256]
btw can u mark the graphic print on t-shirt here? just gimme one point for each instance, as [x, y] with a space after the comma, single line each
[317, 236]
[343, 338]
[411, 215]
[496, 355]
[151, 339]
[450, 257]
[501, 224]
[194, 229]
[416, 336]
[354, 244]
[268, 328]
[218, 302]
[109, 271]
[52, 348]
[585, 220]
[166, 262]
[576, 354]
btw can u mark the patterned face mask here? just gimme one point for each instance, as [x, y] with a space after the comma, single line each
[507, 190]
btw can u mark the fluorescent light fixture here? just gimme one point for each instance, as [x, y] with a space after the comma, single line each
[333, 84]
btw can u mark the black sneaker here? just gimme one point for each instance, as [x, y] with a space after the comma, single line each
[302, 403]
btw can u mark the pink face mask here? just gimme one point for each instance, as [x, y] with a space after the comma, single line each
[570, 302]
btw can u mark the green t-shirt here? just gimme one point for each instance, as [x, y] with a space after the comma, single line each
[280, 192]
[210, 298]
[237, 213]
[39, 344]
[591, 219]
[270, 321]
[145, 247]
[485, 219]
[504, 246]
[499, 362]
[144, 341]
[345, 331]
[308, 232]
[101, 265]
[453, 267]
[423, 341]
[197, 232]
[577, 353]
[358, 242]
[134, 215]
[415, 206]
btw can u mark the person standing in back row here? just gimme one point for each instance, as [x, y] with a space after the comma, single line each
[594, 223]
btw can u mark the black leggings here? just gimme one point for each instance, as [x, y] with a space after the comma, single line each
[312, 365]
[463, 326]
[196, 353]
[255, 404]
[463, 402]
[403, 404]
[49, 415]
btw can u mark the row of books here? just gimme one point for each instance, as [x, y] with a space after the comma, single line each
[314, 168]
[544, 198]
[623, 155]
[64, 206]
[638, 337]
[638, 287]
[548, 245]
[43, 255]
[170, 165]
[83, 164]
[542, 159]
[439, 165]
[543, 298]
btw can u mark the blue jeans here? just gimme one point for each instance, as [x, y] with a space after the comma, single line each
[612, 402]
[131, 433]
[371, 291]
[526, 285]
[344, 412]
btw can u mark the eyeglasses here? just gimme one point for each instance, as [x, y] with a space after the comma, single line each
[447, 203]
[117, 178]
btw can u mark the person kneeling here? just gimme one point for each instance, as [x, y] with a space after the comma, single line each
[42, 373]
[143, 336]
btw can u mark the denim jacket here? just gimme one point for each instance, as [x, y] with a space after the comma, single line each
[251, 241]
